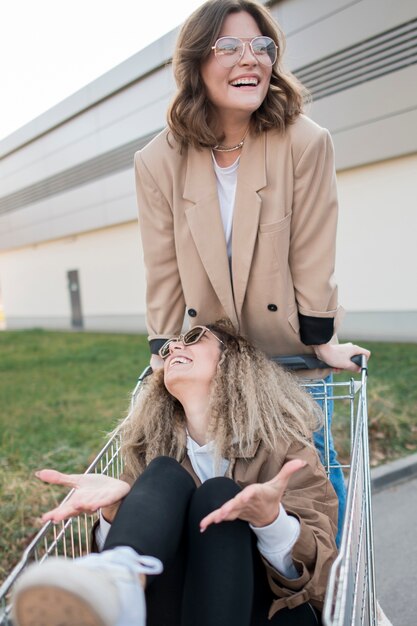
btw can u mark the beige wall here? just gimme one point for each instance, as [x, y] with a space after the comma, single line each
[376, 259]
[112, 284]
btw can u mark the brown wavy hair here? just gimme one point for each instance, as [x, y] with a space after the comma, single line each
[252, 399]
[191, 117]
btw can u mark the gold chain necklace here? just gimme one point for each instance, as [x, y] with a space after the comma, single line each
[220, 148]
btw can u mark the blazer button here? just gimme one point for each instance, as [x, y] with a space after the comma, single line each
[192, 312]
[272, 307]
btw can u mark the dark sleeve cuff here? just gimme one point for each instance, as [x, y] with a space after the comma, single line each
[94, 546]
[156, 344]
[315, 331]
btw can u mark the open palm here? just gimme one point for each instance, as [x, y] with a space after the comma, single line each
[257, 504]
[92, 492]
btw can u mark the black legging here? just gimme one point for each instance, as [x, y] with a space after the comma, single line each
[215, 578]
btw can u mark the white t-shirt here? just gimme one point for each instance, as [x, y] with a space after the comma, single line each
[226, 178]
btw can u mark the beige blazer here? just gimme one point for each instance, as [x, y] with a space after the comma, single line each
[283, 238]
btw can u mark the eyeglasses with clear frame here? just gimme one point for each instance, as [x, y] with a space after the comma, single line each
[192, 336]
[230, 50]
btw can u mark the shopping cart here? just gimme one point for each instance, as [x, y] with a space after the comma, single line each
[351, 596]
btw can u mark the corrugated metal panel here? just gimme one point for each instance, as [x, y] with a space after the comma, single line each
[108, 163]
[376, 56]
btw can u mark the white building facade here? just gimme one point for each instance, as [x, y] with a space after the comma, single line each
[70, 254]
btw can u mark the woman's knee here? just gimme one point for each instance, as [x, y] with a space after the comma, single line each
[164, 470]
[163, 464]
[212, 494]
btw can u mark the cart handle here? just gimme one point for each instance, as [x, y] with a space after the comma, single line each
[294, 363]
[307, 362]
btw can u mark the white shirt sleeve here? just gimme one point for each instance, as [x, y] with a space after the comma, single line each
[101, 532]
[275, 542]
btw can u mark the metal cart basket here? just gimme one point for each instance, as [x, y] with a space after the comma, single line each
[350, 598]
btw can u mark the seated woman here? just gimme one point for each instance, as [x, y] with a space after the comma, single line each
[225, 515]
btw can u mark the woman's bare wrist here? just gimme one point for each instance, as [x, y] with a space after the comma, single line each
[109, 512]
[267, 520]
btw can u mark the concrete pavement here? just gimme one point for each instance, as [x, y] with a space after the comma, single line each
[395, 535]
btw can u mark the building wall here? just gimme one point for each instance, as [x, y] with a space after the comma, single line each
[67, 184]
[376, 250]
[112, 282]
[72, 174]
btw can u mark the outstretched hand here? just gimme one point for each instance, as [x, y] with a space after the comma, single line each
[257, 504]
[92, 492]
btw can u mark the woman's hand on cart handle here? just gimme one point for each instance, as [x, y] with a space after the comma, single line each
[339, 356]
[257, 504]
[92, 492]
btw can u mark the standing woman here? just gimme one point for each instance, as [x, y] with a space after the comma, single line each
[237, 198]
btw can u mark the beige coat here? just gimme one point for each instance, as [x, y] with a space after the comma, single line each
[283, 241]
[311, 498]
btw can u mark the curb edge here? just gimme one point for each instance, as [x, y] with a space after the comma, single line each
[393, 473]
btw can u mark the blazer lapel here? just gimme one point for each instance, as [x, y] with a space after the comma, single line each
[251, 178]
[205, 223]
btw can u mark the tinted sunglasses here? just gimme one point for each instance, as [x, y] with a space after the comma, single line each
[192, 336]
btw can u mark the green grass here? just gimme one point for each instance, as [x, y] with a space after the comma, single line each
[60, 393]
[392, 403]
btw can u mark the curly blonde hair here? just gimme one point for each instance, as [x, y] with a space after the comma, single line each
[191, 117]
[252, 399]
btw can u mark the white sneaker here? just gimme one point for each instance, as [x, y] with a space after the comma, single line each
[95, 590]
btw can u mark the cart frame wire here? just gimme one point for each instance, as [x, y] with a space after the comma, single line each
[351, 595]
[351, 598]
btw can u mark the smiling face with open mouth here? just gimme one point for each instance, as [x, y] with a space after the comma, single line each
[196, 364]
[240, 89]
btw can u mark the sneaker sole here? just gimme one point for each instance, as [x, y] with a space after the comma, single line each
[53, 606]
[56, 593]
